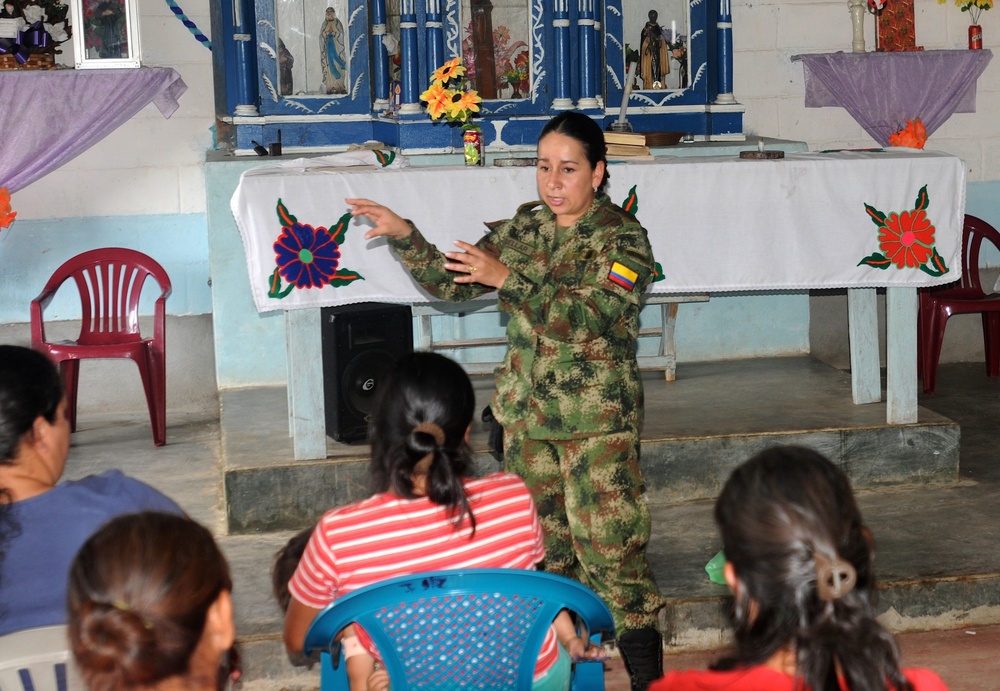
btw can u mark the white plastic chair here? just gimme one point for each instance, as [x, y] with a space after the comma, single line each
[37, 660]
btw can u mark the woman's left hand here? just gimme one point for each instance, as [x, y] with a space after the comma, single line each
[475, 265]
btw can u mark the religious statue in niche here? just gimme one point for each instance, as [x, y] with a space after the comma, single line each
[331, 43]
[285, 63]
[654, 58]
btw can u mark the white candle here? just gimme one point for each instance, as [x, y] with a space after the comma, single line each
[673, 31]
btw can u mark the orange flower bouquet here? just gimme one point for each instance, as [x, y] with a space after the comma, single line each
[448, 96]
[914, 135]
[7, 215]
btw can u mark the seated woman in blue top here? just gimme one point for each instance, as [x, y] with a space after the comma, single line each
[43, 523]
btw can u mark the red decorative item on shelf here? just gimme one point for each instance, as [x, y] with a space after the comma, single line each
[894, 26]
[975, 37]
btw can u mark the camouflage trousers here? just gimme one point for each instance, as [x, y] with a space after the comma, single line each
[589, 497]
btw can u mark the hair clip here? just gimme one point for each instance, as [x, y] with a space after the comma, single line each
[834, 579]
[120, 604]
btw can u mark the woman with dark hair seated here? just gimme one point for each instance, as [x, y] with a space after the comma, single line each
[428, 514]
[42, 522]
[150, 607]
[799, 564]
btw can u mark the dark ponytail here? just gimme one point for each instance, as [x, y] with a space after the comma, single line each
[418, 426]
[803, 563]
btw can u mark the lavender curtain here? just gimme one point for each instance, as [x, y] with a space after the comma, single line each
[884, 90]
[50, 117]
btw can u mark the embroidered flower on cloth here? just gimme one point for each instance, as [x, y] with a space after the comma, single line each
[914, 135]
[973, 7]
[308, 257]
[906, 239]
[447, 96]
[7, 214]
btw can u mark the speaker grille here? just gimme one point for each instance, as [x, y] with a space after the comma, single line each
[361, 343]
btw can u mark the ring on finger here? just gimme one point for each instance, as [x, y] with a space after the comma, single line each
[472, 269]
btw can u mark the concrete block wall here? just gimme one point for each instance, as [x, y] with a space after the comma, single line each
[144, 185]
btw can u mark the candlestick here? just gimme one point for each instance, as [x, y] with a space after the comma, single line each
[629, 76]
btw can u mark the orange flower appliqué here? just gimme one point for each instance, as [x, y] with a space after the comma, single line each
[907, 238]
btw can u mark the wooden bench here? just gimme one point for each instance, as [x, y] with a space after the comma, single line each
[666, 359]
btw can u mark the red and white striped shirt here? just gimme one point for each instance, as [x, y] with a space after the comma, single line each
[386, 536]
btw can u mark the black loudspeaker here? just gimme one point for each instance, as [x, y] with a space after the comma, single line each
[360, 344]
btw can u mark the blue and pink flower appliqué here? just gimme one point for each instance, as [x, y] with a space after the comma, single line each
[308, 257]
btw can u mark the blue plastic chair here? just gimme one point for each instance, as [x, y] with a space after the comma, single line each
[461, 629]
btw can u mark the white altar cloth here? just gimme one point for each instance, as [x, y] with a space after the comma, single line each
[716, 224]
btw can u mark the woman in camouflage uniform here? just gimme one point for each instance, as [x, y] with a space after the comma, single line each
[569, 271]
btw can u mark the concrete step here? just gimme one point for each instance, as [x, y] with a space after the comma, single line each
[697, 430]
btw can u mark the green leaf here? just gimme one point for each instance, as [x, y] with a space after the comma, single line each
[935, 266]
[284, 217]
[922, 199]
[345, 277]
[631, 203]
[876, 260]
[338, 231]
[275, 291]
[878, 218]
[658, 273]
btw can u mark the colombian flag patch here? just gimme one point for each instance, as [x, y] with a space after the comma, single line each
[622, 275]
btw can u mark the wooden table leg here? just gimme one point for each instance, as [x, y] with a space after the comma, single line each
[862, 319]
[901, 355]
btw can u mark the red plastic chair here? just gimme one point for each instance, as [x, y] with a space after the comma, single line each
[110, 281]
[963, 297]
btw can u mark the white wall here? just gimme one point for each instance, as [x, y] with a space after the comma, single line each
[150, 165]
[766, 34]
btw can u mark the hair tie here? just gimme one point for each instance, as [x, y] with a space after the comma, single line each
[123, 606]
[834, 578]
[433, 429]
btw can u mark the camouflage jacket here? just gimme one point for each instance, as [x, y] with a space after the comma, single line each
[570, 369]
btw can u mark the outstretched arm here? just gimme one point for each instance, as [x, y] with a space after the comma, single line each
[386, 221]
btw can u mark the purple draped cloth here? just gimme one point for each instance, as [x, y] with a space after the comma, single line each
[52, 116]
[884, 90]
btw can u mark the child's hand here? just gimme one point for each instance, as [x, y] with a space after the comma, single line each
[581, 650]
[378, 680]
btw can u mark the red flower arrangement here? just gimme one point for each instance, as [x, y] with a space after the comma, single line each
[914, 135]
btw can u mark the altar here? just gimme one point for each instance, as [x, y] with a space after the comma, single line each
[716, 224]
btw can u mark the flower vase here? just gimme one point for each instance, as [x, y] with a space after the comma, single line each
[473, 146]
[975, 37]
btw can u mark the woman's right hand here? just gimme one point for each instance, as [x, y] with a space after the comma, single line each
[385, 219]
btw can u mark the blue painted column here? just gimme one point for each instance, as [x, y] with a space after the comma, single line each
[434, 29]
[560, 32]
[724, 32]
[585, 29]
[598, 59]
[380, 58]
[245, 93]
[410, 95]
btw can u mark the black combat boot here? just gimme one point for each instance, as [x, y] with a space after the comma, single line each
[642, 651]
